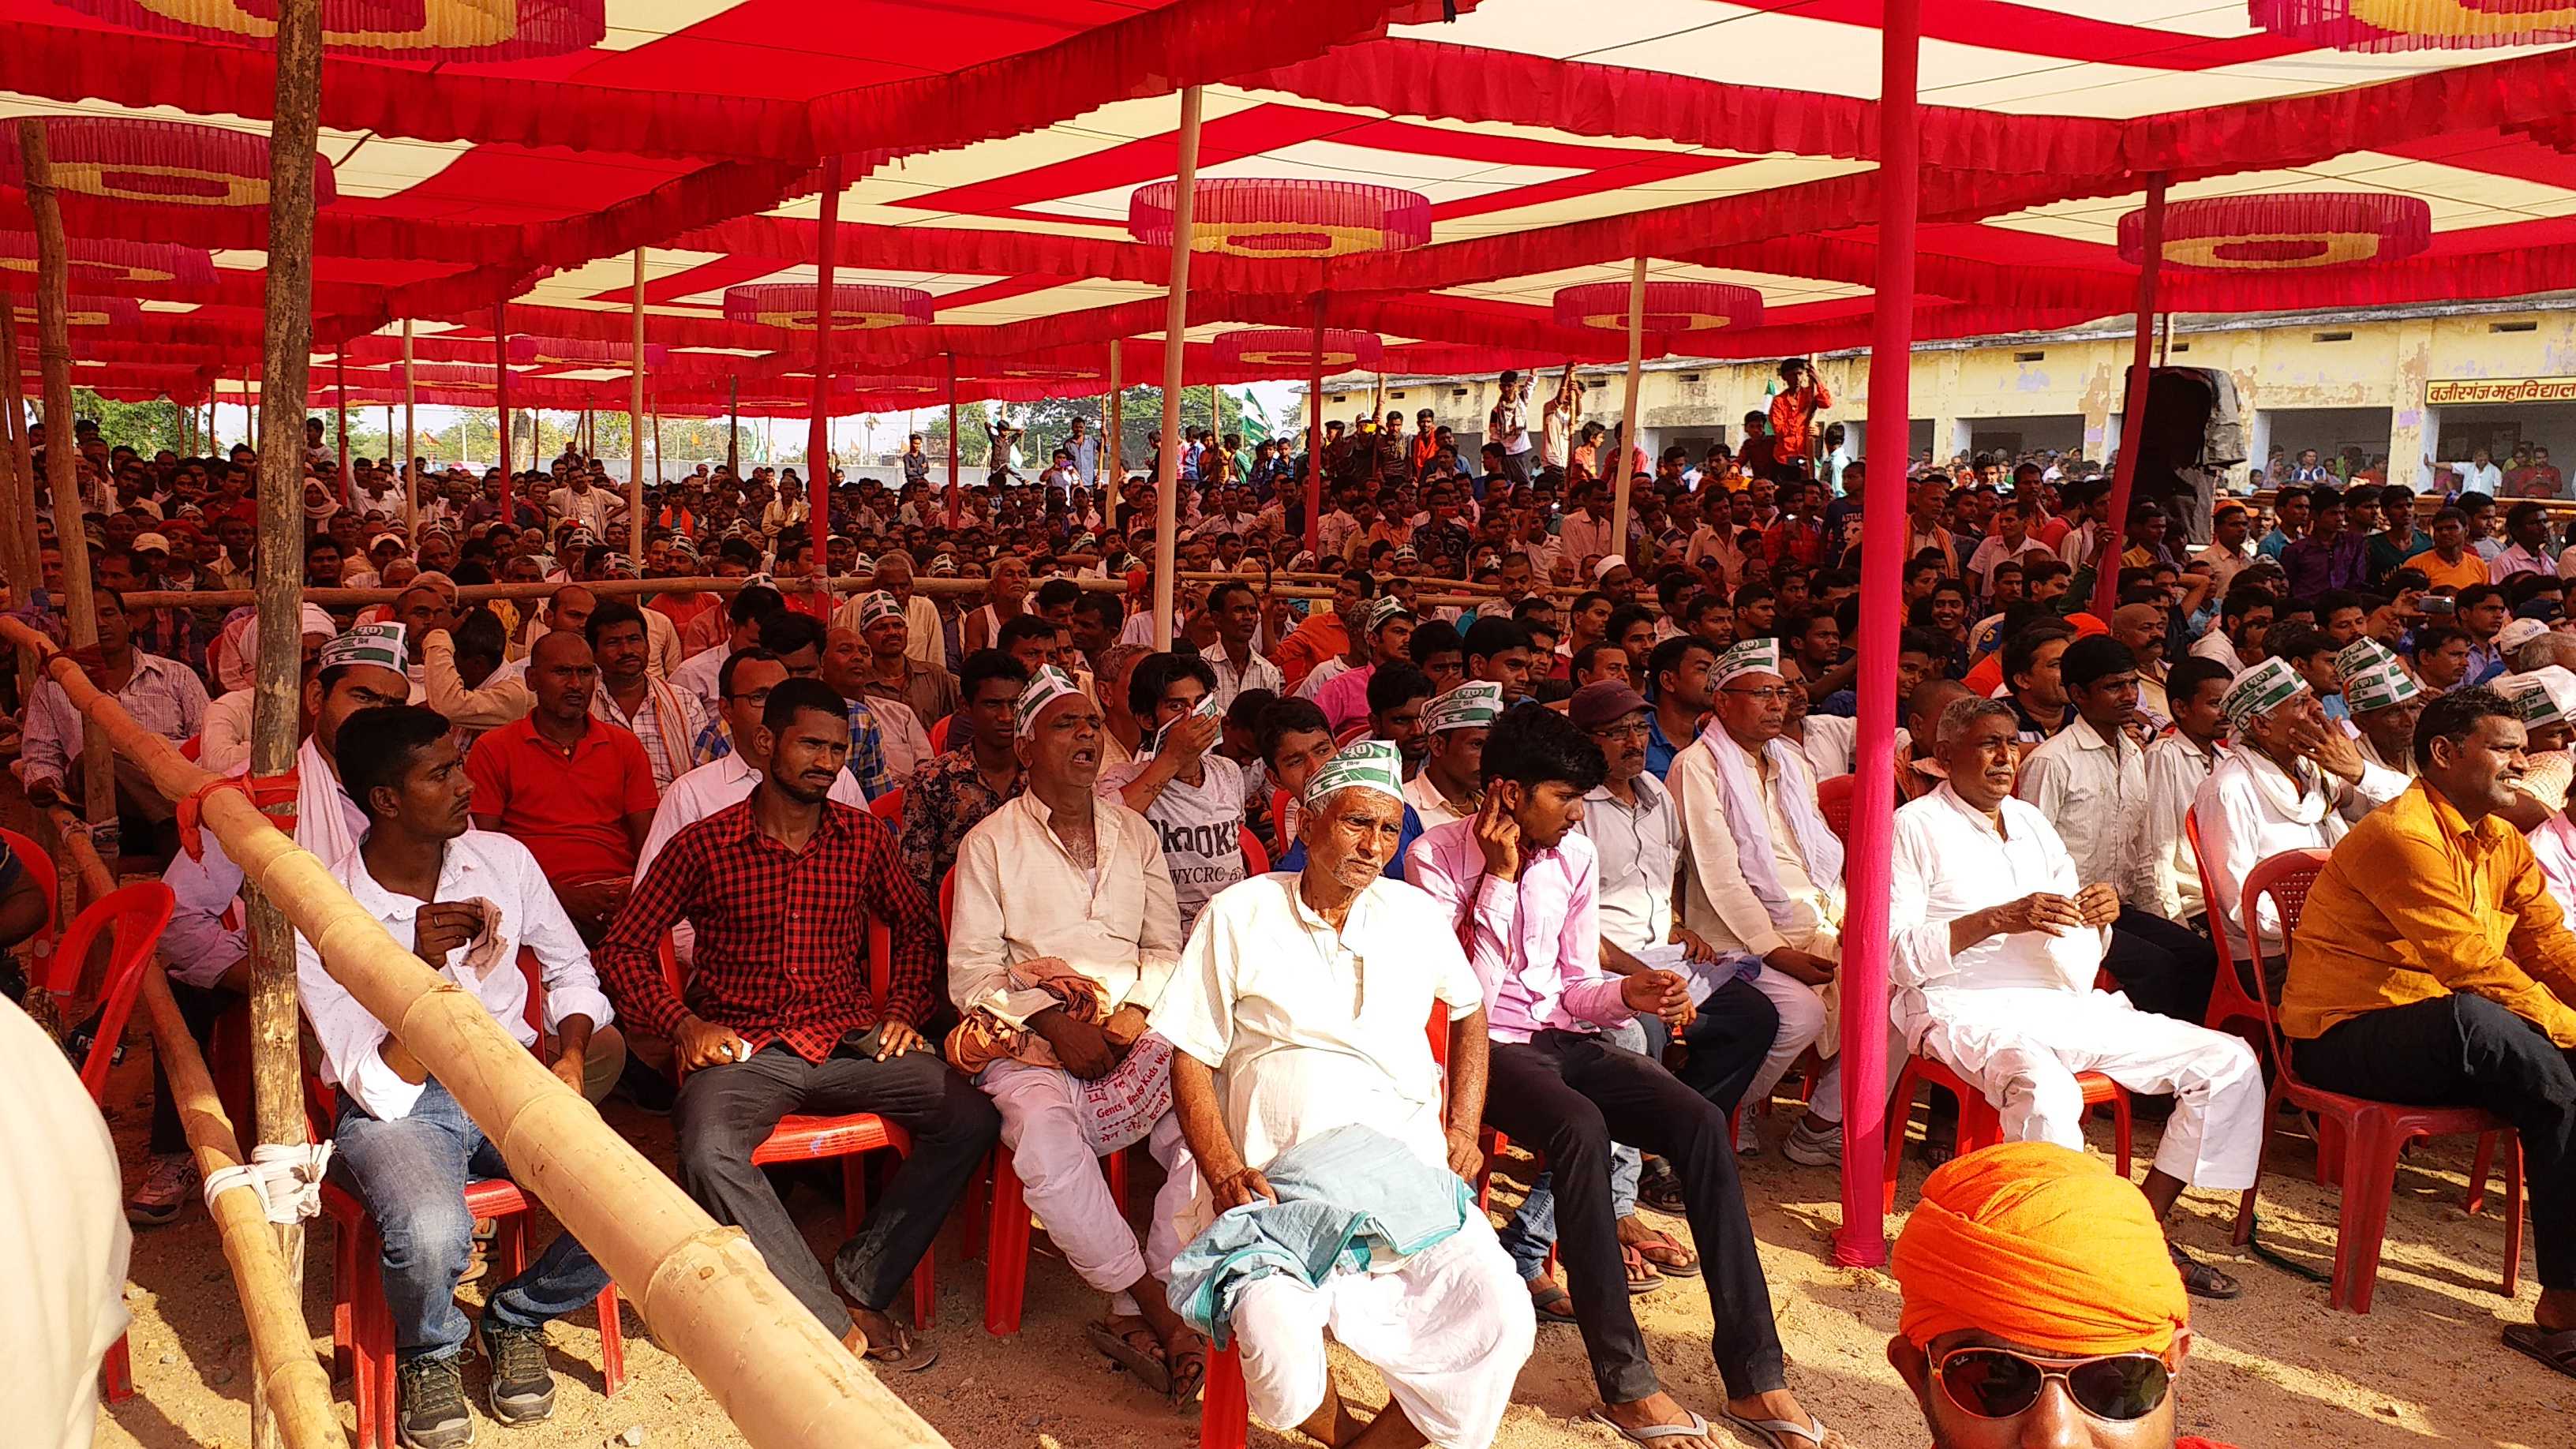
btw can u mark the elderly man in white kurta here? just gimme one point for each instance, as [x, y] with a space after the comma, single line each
[1301, 1005]
[1765, 877]
[2293, 780]
[1064, 932]
[1995, 944]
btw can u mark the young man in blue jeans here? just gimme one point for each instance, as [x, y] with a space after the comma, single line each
[468, 900]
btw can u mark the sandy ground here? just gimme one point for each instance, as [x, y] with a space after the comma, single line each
[2274, 1369]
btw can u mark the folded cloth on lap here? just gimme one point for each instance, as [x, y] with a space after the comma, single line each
[1352, 1198]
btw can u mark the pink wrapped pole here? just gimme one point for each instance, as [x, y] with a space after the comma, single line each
[1867, 875]
[2133, 412]
[818, 438]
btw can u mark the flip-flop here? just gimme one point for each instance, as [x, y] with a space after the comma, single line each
[2200, 1280]
[1188, 1371]
[1149, 1370]
[1779, 1433]
[1652, 1434]
[1552, 1304]
[1642, 1277]
[906, 1355]
[1668, 1255]
[2558, 1350]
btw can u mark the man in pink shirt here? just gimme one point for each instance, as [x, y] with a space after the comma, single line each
[1525, 885]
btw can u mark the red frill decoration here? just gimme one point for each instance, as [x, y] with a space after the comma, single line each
[1670, 306]
[443, 30]
[573, 352]
[2291, 229]
[116, 264]
[2397, 25]
[856, 306]
[1262, 216]
[1293, 353]
[174, 163]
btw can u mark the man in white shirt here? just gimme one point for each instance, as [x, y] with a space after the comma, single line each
[578, 502]
[2011, 540]
[1765, 879]
[2478, 475]
[1270, 1052]
[2177, 762]
[2090, 781]
[1996, 942]
[2244, 618]
[1236, 608]
[666, 720]
[2294, 780]
[468, 901]
[2385, 702]
[1450, 785]
[1064, 933]
[745, 612]
[2229, 548]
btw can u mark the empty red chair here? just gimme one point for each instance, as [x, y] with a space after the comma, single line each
[2230, 1008]
[1834, 802]
[1980, 1125]
[135, 915]
[2369, 1134]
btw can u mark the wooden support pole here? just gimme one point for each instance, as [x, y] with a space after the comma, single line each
[411, 442]
[62, 483]
[277, 1075]
[1113, 421]
[956, 444]
[1628, 411]
[818, 435]
[733, 428]
[1315, 435]
[635, 424]
[1176, 324]
[21, 471]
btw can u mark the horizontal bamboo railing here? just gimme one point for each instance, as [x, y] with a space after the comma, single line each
[291, 1381]
[784, 1381]
[626, 588]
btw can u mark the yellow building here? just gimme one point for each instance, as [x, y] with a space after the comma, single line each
[2401, 383]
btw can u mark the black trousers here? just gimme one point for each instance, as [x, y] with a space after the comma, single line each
[201, 1007]
[724, 1112]
[2165, 968]
[1727, 1043]
[2466, 1051]
[1570, 1095]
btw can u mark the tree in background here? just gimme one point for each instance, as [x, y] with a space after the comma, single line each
[146, 427]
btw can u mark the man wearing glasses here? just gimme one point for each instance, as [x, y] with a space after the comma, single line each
[1766, 879]
[2039, 1307]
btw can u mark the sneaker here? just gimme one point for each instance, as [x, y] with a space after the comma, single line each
[430, 1410]
[167, 1185]
[1810, 1147]
[1748, 1135]
[523, 1388]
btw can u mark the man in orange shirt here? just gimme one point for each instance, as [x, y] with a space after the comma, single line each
[1793, 417]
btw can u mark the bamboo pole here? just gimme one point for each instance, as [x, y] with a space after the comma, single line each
[956, 444]
[778, 1374]
[818, 435]
[1628, 410]
[62, 457]
[635, 424]
[277, 1075]
[1176, 316]
[19, 472]
[411, 441]
[340, 391]
[501, 399]
[1315, 436]
[733, 427]
[284, 1370]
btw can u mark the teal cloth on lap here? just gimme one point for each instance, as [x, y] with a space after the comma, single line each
[1348, 1198]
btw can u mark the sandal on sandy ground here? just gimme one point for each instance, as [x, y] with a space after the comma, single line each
[905, 1355]
[1783, 1434]
[1144, 1360]
[1188, 1369]
[2558, 1350]
[1550, 1301]
[1667, 1254]
[1642, 1277]
[1649, 1435]
[2199, 1279]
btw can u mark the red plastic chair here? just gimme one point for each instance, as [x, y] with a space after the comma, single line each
[939, 735]
[1225, 1412]
[888, 807]
[40, 869]
[1356, 730]
[136, 914]
[1279, 823]
[2230, 1008]
[362, 1329]
[1980, 1124]
[1256, 861]
[1834, 802]
[803, 1137]
[2365, 1136]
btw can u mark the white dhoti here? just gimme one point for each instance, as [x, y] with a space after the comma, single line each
[1448, 1329]
[1064, 1186]
[2022, 1046]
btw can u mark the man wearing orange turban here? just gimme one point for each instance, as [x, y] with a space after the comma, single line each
[2040, 1306]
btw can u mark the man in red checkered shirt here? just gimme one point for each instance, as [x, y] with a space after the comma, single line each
[781, 1015]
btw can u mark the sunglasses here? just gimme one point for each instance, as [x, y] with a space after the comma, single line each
[1998, 1383]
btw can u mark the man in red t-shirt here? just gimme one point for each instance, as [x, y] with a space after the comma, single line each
[577, 791]
[2041, 1304]
[1802, 395]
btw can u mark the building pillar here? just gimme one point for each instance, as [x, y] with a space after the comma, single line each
[2414, 428]
[2258, 446]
